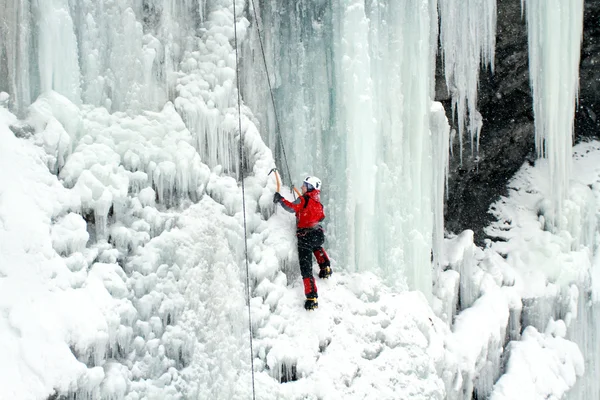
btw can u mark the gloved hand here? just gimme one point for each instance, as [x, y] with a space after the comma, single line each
[277, 197]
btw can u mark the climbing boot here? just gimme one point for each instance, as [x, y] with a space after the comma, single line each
[311, 303]
[325, 272]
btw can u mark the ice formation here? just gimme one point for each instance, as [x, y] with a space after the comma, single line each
[468, 41]
[121, 216]
[440, 131]
[555, 31]
[124, 165]
[553, 271]
[369, 132]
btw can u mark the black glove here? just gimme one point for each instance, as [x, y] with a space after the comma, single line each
[277, 197]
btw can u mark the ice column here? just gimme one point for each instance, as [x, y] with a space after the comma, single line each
[555, 31]
[361, 139]
[417, 167]
[58, 56]
[403, 62]
[468, 38]
[15, 41]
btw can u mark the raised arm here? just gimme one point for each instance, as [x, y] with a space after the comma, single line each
[292, 207]
[287, 205]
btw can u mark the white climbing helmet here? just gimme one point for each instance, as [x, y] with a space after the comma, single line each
[312, 182]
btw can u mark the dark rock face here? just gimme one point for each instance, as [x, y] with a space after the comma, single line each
[587, 120]
[506, 105]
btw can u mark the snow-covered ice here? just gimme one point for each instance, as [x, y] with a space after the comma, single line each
[122, 264]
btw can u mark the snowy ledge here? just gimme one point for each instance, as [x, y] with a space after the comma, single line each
[528, 292]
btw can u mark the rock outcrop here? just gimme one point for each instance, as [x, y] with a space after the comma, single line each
[506, 105]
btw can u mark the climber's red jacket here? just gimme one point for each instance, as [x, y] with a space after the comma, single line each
[308, 209]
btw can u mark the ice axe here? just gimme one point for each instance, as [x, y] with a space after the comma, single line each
[276, 177]
[279, 182]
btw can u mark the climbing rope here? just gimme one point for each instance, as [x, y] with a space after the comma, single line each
[237, 74]
[277, 126]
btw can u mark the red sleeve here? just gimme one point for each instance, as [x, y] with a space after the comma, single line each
[296, 205]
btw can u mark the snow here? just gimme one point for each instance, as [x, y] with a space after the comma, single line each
[540, 367]
[551, 269]
[166, 321]
[176, 305]
[363, 339]
[48, 311]
[479, 333]
[521, 309]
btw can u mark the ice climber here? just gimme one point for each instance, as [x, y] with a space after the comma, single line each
[309, 214]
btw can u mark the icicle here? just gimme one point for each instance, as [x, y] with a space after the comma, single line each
[468, 39]
[164, 180]
[555, 29]
[440, 132]
[101, 210]
[463, 261]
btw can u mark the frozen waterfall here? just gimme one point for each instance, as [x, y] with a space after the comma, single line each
[363, 112]
[131, 243]
[355, 108]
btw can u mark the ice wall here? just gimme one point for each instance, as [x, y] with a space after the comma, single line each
[555, 30]
[406, 157]
[354, 107]
[133, 161]
[121, 55]
[131, 56]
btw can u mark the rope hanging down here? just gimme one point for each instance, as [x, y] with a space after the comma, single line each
[277, 126]
[237, 74]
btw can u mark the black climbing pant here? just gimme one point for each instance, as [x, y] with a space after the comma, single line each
[310, 241]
